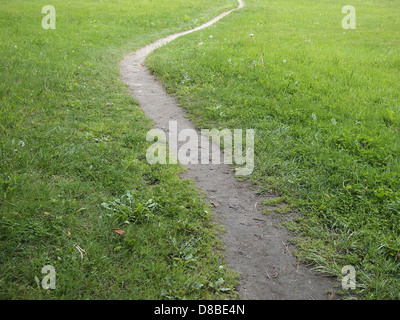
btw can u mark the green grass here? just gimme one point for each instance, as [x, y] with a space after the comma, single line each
[73, 160]
[325, 104]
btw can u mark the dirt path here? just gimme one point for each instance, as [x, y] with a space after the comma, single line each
[255, 245]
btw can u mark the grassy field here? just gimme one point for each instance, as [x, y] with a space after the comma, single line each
[325, 104]
[73, 160]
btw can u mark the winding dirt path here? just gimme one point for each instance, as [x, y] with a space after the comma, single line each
[256, 246]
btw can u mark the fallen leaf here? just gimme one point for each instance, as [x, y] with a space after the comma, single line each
[68, 233]
[119, 231]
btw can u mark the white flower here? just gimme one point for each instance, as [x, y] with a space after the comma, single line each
[21, 143]
[251, 35]
[210, 35]
[200, 43]
[284, 61]
[229, 60]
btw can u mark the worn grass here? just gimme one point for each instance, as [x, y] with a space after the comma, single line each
[325, 104]
[73, 166]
